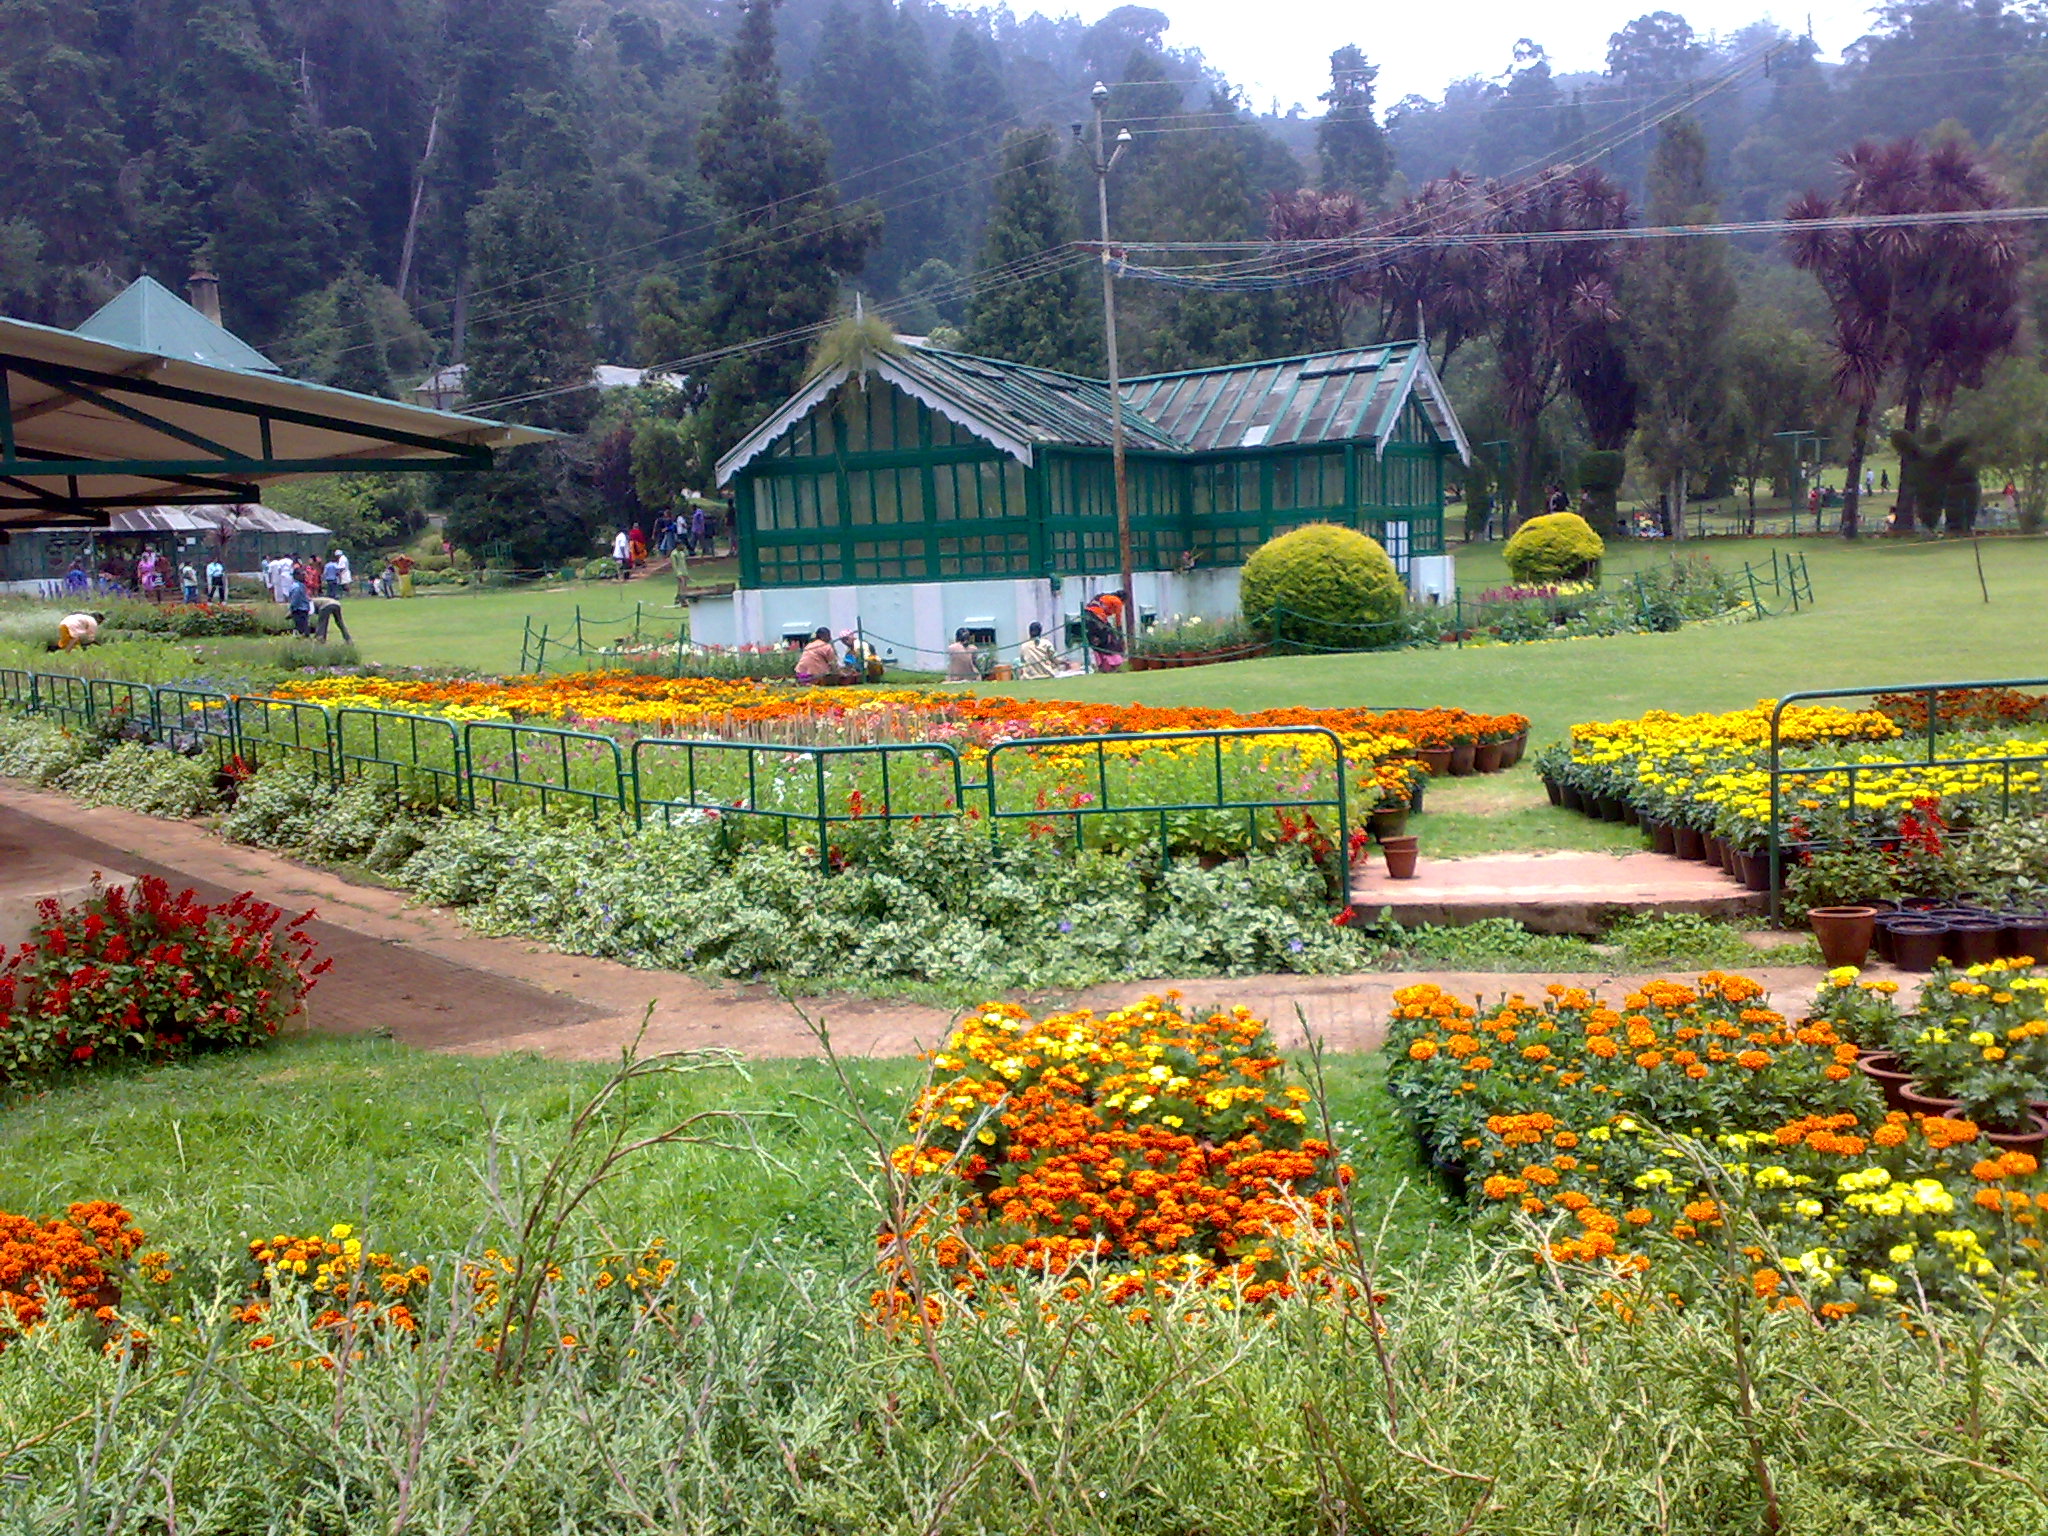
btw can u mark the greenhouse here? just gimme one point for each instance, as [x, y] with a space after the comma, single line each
[919, 491]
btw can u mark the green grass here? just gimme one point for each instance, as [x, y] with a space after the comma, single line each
[313, 1131]
[1886, 612]
[482, 629]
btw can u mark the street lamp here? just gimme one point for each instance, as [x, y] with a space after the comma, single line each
[1104, 159]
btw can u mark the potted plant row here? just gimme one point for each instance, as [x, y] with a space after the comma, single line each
[1974, 1048]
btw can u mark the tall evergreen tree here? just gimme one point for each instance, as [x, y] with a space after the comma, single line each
[1680, 299]
[60, 158]
[1351, 151]
[530, 355]
[974, 105]
[1048, 320]
[785, 243]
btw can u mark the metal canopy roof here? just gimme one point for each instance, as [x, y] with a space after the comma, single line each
[147, 317]
[90, 423]
[1325, 397]
[1330, 397]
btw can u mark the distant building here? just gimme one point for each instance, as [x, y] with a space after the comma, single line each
[445, 388]
[241, 538]
[921, 491]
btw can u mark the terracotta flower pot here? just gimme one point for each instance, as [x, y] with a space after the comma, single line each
[1463, 756]
[1916, 942]
[1662, 838]
[1889, 1075]
[1386, 822]
[1844, 933]
[1436, 759]
[1487, 756]
[1516, 746]
[1915, 1098]
[1400, 854]
[1687, 842]
[2029, 1141]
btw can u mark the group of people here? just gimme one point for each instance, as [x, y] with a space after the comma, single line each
[692, 535]
[313, 591]
[151, 575]
[851, 660]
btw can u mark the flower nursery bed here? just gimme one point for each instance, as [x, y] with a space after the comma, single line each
[1872, 804]
[1622, 1139]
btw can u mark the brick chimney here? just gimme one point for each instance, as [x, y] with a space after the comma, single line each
[204, 288]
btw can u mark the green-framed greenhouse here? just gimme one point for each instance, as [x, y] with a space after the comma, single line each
[920, 466]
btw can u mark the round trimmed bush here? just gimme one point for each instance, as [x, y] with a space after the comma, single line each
[1554, 548]
[1324, 586]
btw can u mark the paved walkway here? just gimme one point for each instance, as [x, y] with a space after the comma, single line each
[420, 975]
[1557, 892]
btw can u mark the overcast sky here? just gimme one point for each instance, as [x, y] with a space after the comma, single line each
[1281, 48]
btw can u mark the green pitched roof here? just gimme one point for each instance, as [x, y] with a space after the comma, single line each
[148, 317]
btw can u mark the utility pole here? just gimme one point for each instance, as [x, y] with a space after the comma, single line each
[1105, 159]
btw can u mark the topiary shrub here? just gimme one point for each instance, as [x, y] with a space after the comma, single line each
[1326, 587]
[1557, 547]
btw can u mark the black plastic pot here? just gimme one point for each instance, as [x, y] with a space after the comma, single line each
[1917, 942]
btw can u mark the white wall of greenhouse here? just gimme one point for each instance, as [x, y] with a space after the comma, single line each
[913, 622]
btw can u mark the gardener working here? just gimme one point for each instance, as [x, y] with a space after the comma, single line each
[327, 610]
[77, 631]
[819, 661]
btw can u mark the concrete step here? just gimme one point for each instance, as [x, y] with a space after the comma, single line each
[1561, 892]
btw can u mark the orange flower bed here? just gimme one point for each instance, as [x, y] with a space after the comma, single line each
[1166, 1146]
[73, 1264]
[718, 706]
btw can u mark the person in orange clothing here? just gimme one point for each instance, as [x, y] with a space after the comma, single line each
[1103, 621]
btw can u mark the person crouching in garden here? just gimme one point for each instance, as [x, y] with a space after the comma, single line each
[1103, 622]
[327, 610]
[77, 630]
[819, 662]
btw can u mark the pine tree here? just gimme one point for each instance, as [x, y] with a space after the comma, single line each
[1679, 298]
[530, 355]
[975, 105]
[785, 243]
[1350, 148]
[1048, 320]
[1196, 186]
[60, 158]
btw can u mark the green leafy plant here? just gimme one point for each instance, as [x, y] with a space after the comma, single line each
[1557, 547]
[1324, 586]
[149, 974]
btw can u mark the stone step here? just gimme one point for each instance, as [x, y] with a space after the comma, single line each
[1558, 892]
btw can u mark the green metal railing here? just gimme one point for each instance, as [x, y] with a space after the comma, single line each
[1806, 774]
[539, 764]
[818, 792]
[200, 715]
[676, 776]
[431, 771]
[284, 730]
[1105, 803]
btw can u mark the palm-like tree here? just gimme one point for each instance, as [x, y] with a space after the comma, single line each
[1932, 304]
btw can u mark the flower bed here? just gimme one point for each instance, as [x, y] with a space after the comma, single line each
[1130, 1150]
[149, 975]
[1621, 1138]
[1856, 793]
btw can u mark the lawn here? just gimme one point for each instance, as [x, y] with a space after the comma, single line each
[294, 1138]
[482, 629]
[1870, 598]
